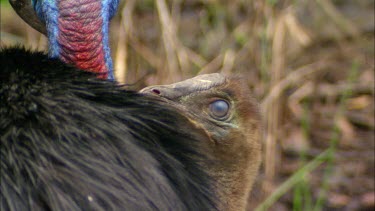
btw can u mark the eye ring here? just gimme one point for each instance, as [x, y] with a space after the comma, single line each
[219, 109]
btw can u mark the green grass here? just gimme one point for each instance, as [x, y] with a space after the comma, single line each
[303, 199]
[353, 75]
[293, 180]
[4, 3]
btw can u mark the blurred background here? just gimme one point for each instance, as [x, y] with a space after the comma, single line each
[310, 63]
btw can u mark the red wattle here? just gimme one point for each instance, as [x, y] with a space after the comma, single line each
[80, 35]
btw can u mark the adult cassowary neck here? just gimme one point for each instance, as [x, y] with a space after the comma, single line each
[77, 32]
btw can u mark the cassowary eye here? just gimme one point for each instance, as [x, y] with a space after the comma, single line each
[219, 108]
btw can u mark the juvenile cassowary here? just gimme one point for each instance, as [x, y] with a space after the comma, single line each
[70, 141]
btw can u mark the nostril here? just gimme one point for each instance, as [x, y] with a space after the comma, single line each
[156, 91]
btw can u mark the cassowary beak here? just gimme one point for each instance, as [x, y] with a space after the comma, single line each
[183, 88]
[26, 11]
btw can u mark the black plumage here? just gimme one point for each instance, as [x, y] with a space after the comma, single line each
[70, 141]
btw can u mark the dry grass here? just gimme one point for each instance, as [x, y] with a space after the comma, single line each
[298, 57]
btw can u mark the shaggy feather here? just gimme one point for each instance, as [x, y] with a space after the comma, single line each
[70, 141]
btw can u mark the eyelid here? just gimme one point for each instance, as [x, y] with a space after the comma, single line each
[213, 99]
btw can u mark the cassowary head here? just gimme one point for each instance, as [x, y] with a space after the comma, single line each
[77, 30]
[223, 108]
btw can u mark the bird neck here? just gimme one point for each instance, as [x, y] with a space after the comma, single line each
[77, 32]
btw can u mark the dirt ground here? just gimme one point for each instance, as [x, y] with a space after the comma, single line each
[309, 63]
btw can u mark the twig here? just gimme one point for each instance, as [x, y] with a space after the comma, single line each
[338, 18]
[123, 34]
[296, 77]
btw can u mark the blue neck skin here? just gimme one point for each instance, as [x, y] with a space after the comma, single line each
[48, 12]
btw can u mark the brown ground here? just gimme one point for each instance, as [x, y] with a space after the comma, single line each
[310, 64]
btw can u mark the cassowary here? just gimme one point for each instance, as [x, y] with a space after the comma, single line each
[70, 141]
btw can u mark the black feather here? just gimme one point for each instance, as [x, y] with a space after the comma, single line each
[70, 141]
